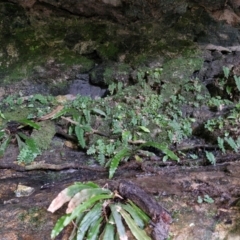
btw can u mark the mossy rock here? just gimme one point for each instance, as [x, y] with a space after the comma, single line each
[44, 136]
[105, 74]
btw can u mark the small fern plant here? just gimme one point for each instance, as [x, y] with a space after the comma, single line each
[27, 145]
[125, 152]
[98, 213]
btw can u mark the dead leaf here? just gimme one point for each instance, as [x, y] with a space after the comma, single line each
[51, 114]
[70, 145]
[61, 198]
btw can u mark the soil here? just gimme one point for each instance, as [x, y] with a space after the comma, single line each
[26, 195]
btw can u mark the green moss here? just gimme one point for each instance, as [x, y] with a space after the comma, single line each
[43, 137]
[69, 58]
[108, 75]
[95, 31]
[139, 60]
[18, 114]
[108, 51]
[33, 218]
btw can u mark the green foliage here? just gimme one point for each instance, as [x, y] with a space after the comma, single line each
[113, 129]
[213, 124]
[221, 144]
[4, 144]
[98, 214]
[218, 101]
[116, 160]
[237, 81]
[210, 157]
[28, 149]
[163, 148]
[29, 123]
[206, 199]
[80, 136]
[234, 145]
[226, 72]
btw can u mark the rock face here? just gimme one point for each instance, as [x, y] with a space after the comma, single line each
[72, 36]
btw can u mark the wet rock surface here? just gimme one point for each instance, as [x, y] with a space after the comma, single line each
[81, 85]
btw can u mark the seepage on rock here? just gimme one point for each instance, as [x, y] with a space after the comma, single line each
[161, 218]
[82, 86]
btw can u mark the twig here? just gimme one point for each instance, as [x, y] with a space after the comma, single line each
[76, 123]
[190, 147]
[44, 166]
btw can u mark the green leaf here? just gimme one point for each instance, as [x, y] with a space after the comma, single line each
[66, 194]
[4, 145]
[210, 157]
[59, 226]
[93, 231]
[118, 220]
[21, 144]
[221, 144]
[87, 115]
[108, 233]
[28, 150]
[138, 233]
[163, 148]
[137, 219]
[60, 113]
[23, 136]
[200, 200]
[26, 155]
[84, 195]
[116, 159]
[208, 199]
[2, 115]
[30, 142]
[144, 129]
[87, 128]
[2, 134]
[80, 136]
[126, 136]
[93, 215]
[84, 206]
[42, 99]
[140, 212]
[76, 223]
[226, 71]
[99, 111]
[237, 81]
[29, 123]
[231, 143]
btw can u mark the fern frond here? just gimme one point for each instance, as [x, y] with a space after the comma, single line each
[80, 136]
[116, 160]
[163, 148]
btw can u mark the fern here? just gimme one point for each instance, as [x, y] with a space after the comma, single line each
[231, 143]
[4, 146]
[237, 81]
[116, 160]
[210, 158]
[226, 72]
[27, 156]
[221, 144]
[80, 136]
[28, 150]
[163, 148]
[101, 159]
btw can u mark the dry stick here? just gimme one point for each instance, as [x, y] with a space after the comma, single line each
[76, 123]
[47, 166]
[190, 147]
